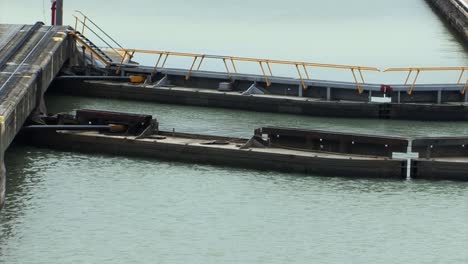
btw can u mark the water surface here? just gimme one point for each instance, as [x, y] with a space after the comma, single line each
[68, 207]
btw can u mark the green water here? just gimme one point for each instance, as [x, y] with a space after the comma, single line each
[76, 208]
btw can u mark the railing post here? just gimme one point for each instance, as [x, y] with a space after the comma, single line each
[191, 68]
[407, 77]
[300, 77]
[410, 91]
[121, 63]
[84, 24]
[357, 82]
[264, 75]
[362, 76]
[200, 63]
[227, 69]
[233, 65]
[155, 69]
[165, 59]
[269, 68]
[461, 75]
[465, 87]
[306, 72]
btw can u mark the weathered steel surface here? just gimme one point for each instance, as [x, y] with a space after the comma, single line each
[193, 150]
[277, 148]
[339, 142]
[436, 147]
[265, 103]
[136, 123]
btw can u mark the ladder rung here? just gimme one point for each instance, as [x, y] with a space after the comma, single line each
[93, 46]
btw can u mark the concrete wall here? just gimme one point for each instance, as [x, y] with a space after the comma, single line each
[453, 12]
[28, 91]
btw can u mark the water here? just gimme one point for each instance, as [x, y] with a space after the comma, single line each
[78, 208]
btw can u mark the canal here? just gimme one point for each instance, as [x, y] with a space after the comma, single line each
[65, 207]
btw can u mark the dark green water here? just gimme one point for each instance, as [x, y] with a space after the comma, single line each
[68, 207]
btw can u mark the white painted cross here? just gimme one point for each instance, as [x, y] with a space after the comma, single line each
[408, 155]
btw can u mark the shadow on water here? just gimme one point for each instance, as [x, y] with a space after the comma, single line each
[17, 162]
[24, 165]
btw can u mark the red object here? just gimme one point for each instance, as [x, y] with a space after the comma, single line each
[53, 8]
[385, 88]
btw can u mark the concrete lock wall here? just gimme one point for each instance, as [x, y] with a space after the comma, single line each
[27, 94]
[454, 13]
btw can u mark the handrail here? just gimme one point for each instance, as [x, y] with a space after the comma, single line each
[301, 67]
[418, 70]
[100, 29]
[89, 48]
[85, 26]
[229, 62]
[108, 45]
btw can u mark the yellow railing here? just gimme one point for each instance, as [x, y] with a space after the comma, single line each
[87, 24]
[229, 62]
[302, 68]
[418, 70]
[93, 52]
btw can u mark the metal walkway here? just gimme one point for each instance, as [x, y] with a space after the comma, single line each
[122, 65]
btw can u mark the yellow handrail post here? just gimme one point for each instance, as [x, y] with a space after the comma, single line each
[407, 77]
[269, 68]
[155, 69]
[300, 77]
[199, 64]
[465, 87]
[84, 23]
[264, 75]
[305, 70]
[357, 82]
[233, 65]
[121, 63]
[227, 69]
[362, 76]
[191, 68]
[165, 59]
[159, 59]
[461, 75]
[410, 91]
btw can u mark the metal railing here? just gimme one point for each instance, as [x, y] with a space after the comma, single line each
[418, 70]
[229, 62]
[265, 65]
[87, 24]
